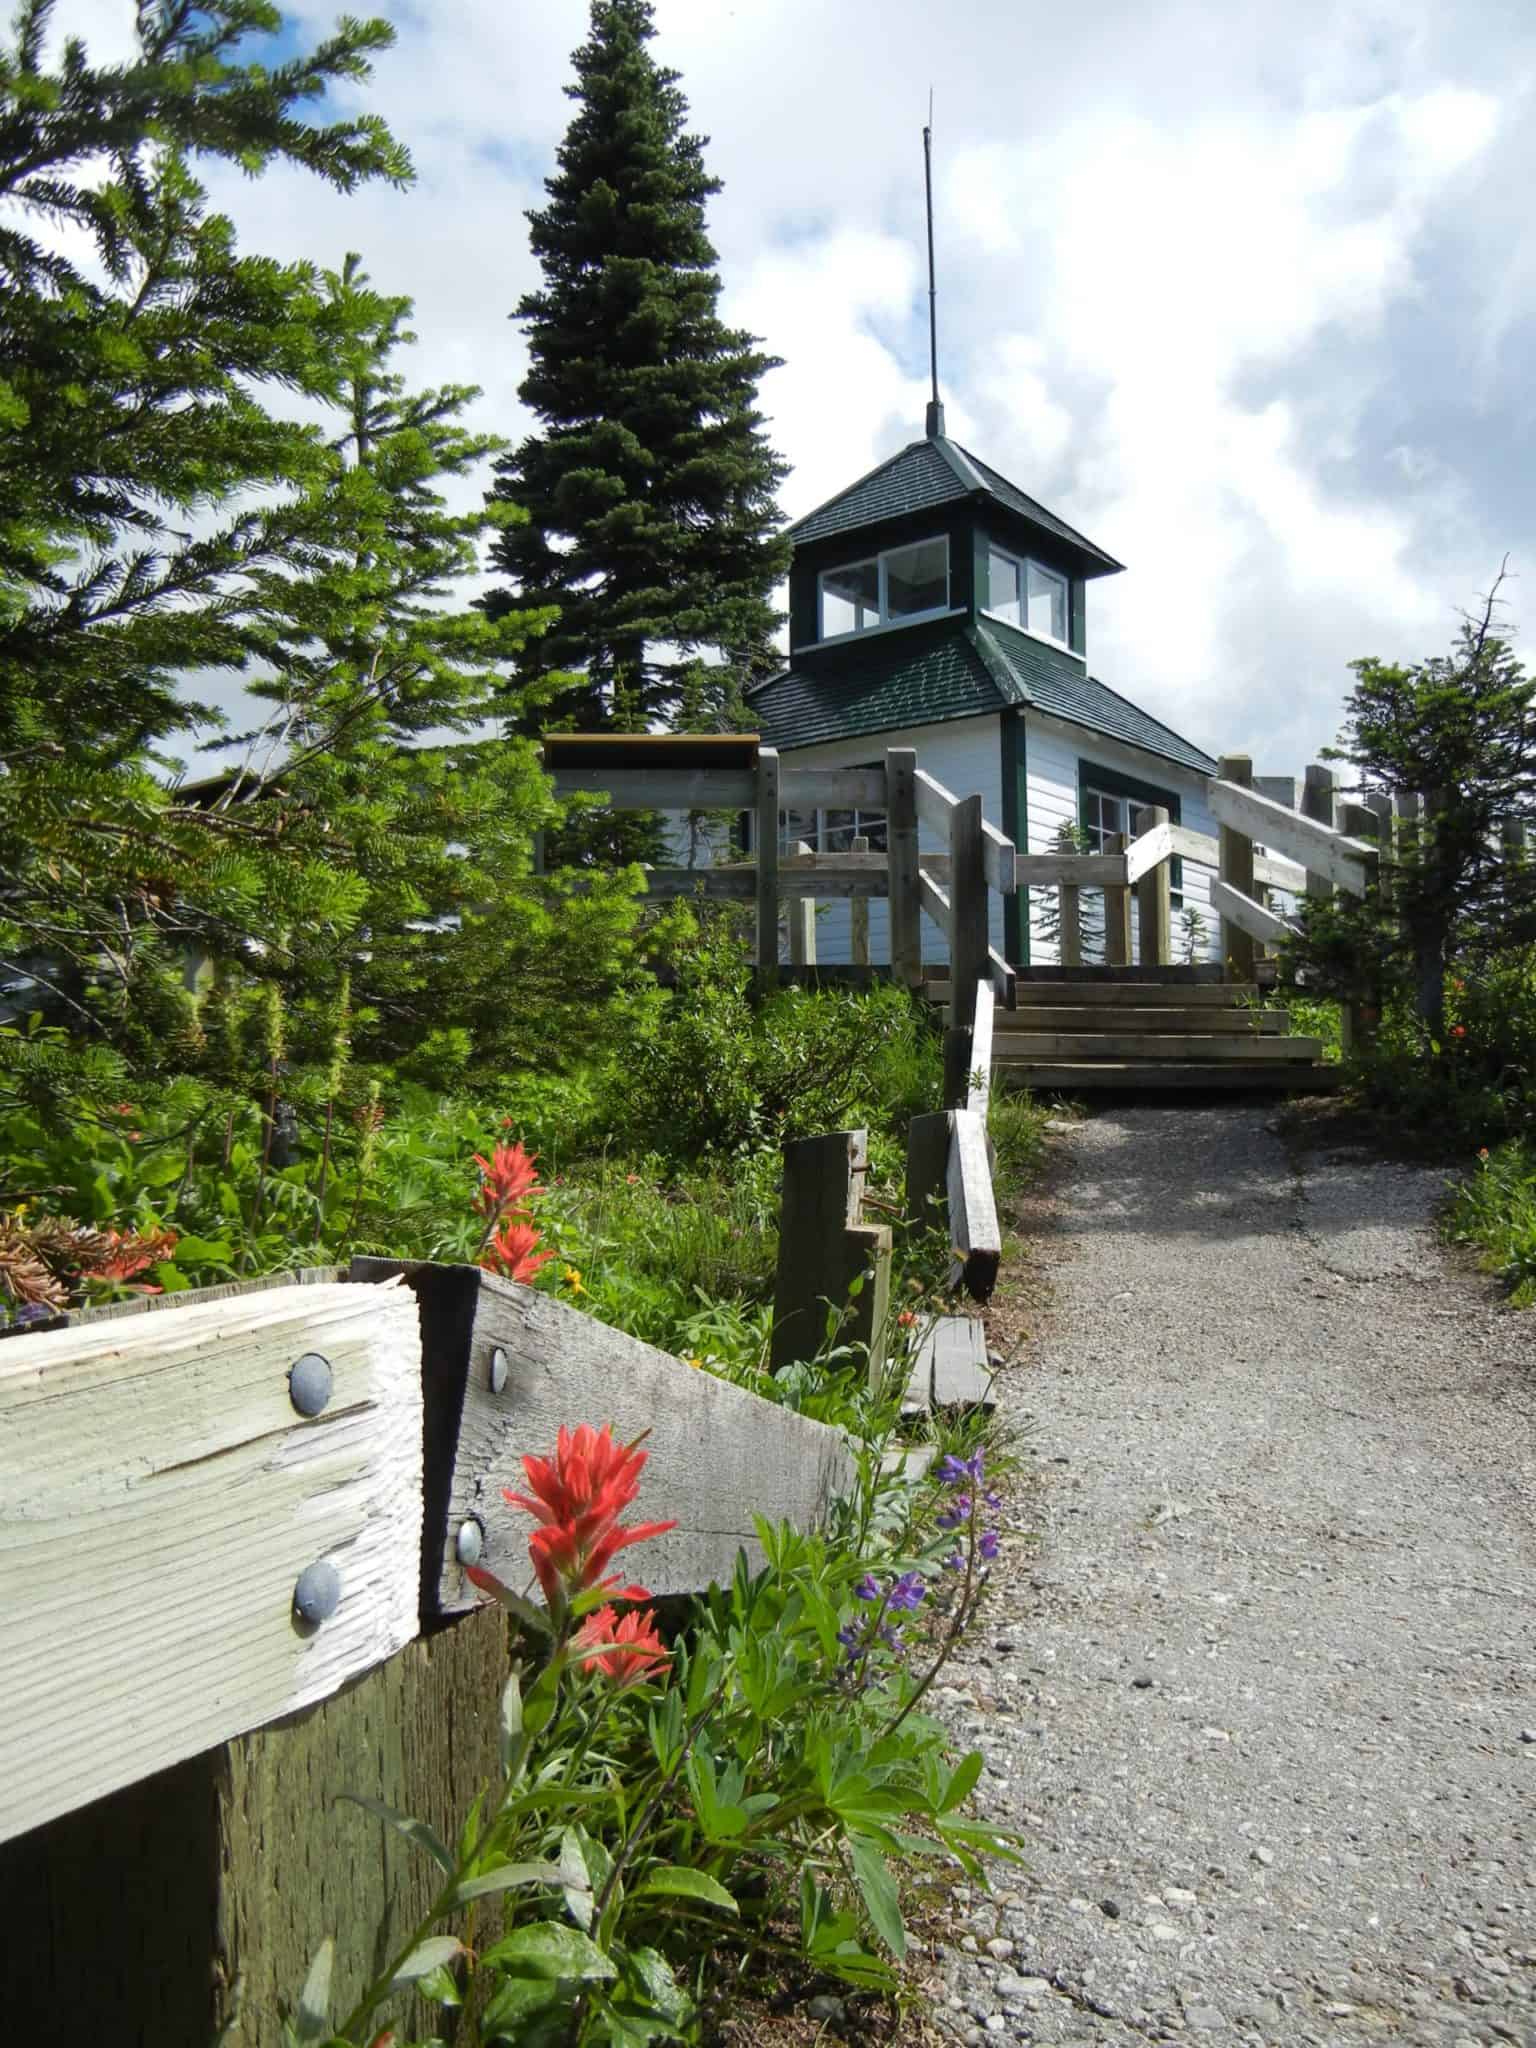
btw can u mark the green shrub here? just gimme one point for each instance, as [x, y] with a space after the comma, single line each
[1494, 1211]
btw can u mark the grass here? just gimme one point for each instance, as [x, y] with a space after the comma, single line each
[1494, 1213]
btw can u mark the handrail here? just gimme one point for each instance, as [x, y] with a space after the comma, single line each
[1319, 848]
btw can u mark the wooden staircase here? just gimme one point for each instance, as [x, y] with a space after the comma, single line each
[1133, 1028]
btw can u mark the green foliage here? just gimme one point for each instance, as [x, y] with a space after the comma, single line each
[1494, 1211]
[650, 485]
[1016, 1126]
[718, 1073]
[1071, 838]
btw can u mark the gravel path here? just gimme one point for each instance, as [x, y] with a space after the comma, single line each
[1261, 1695]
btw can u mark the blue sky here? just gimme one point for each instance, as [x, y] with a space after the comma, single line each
[1247, 294]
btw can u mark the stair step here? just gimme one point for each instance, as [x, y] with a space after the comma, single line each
[1079, 1077]
[1135, 995]
[1235, 1023]
[1020, 1046]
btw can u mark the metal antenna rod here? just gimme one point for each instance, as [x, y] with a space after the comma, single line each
[933, 295]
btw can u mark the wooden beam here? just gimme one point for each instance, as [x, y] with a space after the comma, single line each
[1069, 924]
[1237, 948]
[1154, 903]
[927, 1170]
[1152, 848]
[934, 900]
[936, 807]
[823, 1247]
[1249, 915]
[662, 789]
[901, 839]
[1196, 846]
[974, 1233]
[163, 1501]
[934, 803]
[832, 789]
[858, 914]
[765, 845]
[1085, 870]
[1300, 838]
[968, 940]
[1117, 912]
[979, 1085]
[1317, 803]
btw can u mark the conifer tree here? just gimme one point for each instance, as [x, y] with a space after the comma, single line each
[650, 483]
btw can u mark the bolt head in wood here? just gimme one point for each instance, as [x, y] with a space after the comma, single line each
[471, 1542]
[498, 1371]
[317, 1594]
[309, 1383]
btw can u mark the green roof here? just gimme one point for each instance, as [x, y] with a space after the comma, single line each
[923, 675]
[925, 475]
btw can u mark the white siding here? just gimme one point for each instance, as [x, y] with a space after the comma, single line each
[966, 755]
[1053, 750]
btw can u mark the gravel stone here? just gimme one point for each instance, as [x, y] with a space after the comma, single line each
[1280, 1490]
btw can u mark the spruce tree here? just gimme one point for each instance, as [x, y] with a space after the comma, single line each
[650, 484]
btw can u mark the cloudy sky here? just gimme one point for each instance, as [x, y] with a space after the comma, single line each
[1247, 293]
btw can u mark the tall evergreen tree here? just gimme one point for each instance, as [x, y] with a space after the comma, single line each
[650, 487]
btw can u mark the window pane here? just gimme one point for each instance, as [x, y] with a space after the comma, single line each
[872, 825]
[1047, 602]
[850, 599]
[1003, 588]
[795, 825]
[837, 831]
[917, 579]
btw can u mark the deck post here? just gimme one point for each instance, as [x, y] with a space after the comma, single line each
[1317, 803]
[1069, 919]
[1238, 950]
[1154, 898]
[858, 914]
[1362, 1010]
[824, 1248]
[901, 842]
[1117, 912]
[967, 911]
[765, 835]
[802, 922]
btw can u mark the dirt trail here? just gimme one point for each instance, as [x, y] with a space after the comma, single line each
[1263, 1693]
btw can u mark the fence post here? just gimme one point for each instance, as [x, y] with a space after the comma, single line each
[1154, 897]
[765, 831]
[1380, 805]
[802, 923]
[1238, 952]
[967, 943]
[1317, 803]
[1069, 919]
[906, 910]
[858, 915]
[1117, 913]
[824, 1247]
[1362, 1010]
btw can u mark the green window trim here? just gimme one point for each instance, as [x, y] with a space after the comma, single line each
[1091, 776]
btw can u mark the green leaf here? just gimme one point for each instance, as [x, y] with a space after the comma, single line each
[550, 1949]
[505, 1878]
[881, 1898]
[529, 1615]
[201, 1251]
[415, 1831]
[962, 1782]
[437, 1987]
[671, 1880]
[312, 2021]
[653, 1975]
[435, 1953]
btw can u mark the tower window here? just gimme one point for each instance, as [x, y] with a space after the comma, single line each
[909, 582]
[1025, 593]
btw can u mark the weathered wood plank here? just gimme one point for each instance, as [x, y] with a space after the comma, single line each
[829, 789]
[1251, 917]
[1085, 870]
[858, 911]
[796, 880]
[968, 940]
[1138, 1044]
[163, 1497]
[1317, 803]
[1069, 921]
[979, 1088]
[936, 807]
[960, 1374]
[1117, 912]
[1238, 952]
[927, 1169]
[901, 840]
[974, 1232]
[934, 900]
[661, 789]
[802, 924]
[1154, 901]
[1153, 845]
[824, 1246]
[1290, 833]
[765, 845]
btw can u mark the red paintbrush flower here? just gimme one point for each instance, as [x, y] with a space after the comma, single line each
[514, 1253]
[577, 1497]
[637, 1649]
[508, 1179]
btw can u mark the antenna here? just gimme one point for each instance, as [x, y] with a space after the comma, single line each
[935, 421]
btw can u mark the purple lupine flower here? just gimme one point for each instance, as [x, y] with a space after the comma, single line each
[993, 1501]
[868, 1588]
[955, 1563]
[890, 1636]
[974, 1465]
[909, 1591]
[953, 1471]
[958, 1511]
[988, 1544]
[852, 1640]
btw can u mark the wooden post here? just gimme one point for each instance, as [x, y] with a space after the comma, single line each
[1069, 915]
[901, 842]
[858, 915]
[824, 1248]
[802, 923]
[1117, 913]
[1154, 901]
[1317, 802]
[765, 833]
[1381, 807]
[927, 1170]
[1362, 1011]
[968, 943]
[1238, 952]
